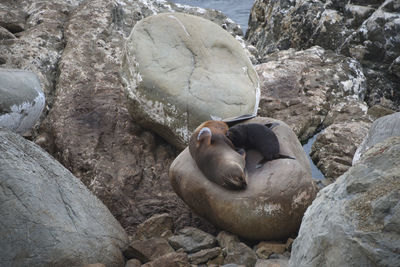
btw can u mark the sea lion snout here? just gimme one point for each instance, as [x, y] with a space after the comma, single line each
[235, 177]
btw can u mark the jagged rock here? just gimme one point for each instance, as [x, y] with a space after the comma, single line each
[155, 226]
[174, 259]
[236, 251]
[265, 249]
[272, 205]
[21, 100]
[363, 30]
[133, 263]
[172, 97]
[192, 240]
[356, 220]
[301, 87]
[272, 263]
[205, 255]
[378, 111]
[380, 130]
[334, 148]
[48, 217]
[148, 250]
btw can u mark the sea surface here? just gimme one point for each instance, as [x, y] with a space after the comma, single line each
[237, 10]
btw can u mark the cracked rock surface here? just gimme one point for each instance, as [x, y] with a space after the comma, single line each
[181, 70]
[48, 217]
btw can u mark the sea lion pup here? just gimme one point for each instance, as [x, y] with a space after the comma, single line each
[216, 157]
[259, 137]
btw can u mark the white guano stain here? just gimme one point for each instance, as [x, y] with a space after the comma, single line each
[267, 209]
[22, 117]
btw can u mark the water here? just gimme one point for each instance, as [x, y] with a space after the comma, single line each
[315, 172]
[237, 10]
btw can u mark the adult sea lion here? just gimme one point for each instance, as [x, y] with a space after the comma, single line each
[259, 137]
[216, 157]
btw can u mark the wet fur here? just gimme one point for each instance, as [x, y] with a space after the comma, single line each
[216, 157]
[259, 137]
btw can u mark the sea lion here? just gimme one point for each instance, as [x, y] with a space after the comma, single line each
[259, 137]
[216, 156]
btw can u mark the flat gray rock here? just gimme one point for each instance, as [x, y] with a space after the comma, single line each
[21, 99]
[356, 220]
[180, 70]
[380, 130]
[48, 217]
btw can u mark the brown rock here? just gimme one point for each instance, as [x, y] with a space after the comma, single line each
[265, 249]
[173, 259]
[95, 265]
[133, 263]
[191, 240]
[378, 111]
[155, 226]
[148, 250]
[204, 255]
[236, 251]
[272, 205]
[272, 263]
[289, 243]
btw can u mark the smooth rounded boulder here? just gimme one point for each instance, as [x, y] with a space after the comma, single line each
[180, 70]
[21, 99]
[272, 205]
[48, 216]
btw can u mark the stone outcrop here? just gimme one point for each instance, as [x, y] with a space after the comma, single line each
[21, 100]
[317, 89]
[272, 205]
[364, 30]
[356, 220]
[77, 58]
[48, 217]
[380, 130]
[180, 70]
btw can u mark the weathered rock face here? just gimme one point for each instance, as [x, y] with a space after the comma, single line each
[301, 87]
[364, 30]
[314, 89]
[236, 251]
[272, 205]
[89, 129]
[181, 70]
[356, 220]
[21, 100]
[48, 217]
[381, 129]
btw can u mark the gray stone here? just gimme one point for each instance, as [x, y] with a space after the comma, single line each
[148, 250]
[133, 263]
[302, 87]
[204, 255]
[236, 251]
[192, 240]
[272, 263]
[356, 220]
[380, 130]
[364, 30]
[21, 100]
[212, 78]
[155, 226]
[48, 217]
[272, 205]
[174, 259]
[265, 249]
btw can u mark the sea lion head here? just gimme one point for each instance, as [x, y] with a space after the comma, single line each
[235, 176]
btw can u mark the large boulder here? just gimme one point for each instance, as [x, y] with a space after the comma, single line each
[272, 205]
[180, 70]
[21, 99]
[48, 217]
[380, 130]
[356, 220]
[364, 30]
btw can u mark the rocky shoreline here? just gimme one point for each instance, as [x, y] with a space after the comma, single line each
[321, 66]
